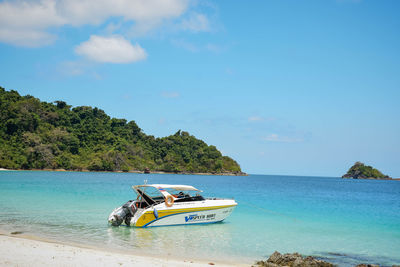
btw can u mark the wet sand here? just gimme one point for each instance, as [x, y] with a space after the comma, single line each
[16, 250]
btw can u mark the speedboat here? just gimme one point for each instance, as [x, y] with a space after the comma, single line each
[164, 204]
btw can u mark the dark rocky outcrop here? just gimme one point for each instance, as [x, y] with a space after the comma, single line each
[361, 171]
[292, 260]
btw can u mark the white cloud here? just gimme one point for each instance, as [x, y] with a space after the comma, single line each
[30, 14]
[71, 68]
[170, 94]
[214, 48]
[29, 23]
[185, 45]
[113, 49]
[24, 37]
[255, 118]
[192, 47]
[197, 23]
[112, 27]
[24, 23]
[79, 12]
[259, 119]
[282, 139]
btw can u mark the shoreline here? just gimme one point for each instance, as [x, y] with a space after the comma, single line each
[372, 178]
[133, 171]
[22, 250]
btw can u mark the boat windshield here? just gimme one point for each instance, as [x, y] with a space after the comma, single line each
[184, 195]
[149, 195]
[151, 192]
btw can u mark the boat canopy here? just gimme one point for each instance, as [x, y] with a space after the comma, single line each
[178, 187]
[150, 194]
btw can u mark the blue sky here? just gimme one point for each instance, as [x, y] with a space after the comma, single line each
[283, 87]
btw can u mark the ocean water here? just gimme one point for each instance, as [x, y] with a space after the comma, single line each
[343, 221]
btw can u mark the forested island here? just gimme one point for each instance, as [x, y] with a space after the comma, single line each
[40, 135]
[361, 171]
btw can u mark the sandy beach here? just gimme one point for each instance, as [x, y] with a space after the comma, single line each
[20, 251]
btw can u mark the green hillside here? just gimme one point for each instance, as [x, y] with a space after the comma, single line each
[40, 135]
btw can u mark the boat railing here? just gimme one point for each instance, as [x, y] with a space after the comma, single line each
[206, 198]
[218, 198]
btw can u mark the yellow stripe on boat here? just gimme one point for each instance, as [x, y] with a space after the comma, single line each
[148, 216]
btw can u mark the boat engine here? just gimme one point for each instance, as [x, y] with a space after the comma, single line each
[125, 212]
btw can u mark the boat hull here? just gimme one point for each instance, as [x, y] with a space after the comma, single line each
[206, 212]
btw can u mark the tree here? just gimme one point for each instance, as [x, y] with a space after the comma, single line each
[35, 134]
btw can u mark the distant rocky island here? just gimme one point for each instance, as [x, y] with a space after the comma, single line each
[361, 171]
[36, 135]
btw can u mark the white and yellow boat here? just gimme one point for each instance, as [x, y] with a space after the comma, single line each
[163, 204]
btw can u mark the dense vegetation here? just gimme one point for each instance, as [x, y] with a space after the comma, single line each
[361, 171]
[40, 135]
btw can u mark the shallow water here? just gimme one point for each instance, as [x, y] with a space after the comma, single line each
[343, 221]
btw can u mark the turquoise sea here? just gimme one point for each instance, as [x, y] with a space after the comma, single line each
[344, 221]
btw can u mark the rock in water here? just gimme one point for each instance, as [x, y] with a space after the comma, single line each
[292, 260]
[361, 171]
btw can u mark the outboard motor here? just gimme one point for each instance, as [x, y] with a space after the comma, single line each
[125, 212]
